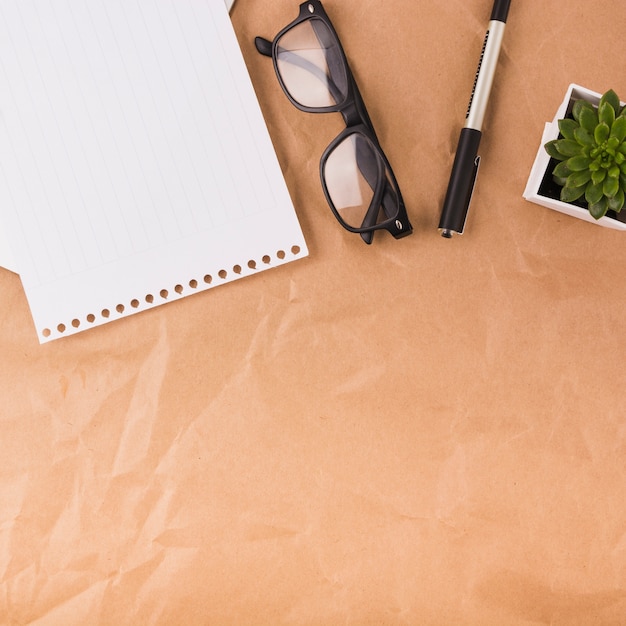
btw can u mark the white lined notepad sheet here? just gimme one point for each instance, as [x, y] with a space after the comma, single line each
[135, 165]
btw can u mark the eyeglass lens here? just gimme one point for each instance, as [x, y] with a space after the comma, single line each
[311, 65]
[359, 183]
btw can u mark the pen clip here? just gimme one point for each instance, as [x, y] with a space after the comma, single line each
[471, 190]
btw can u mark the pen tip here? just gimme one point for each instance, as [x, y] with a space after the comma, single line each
[446, 233]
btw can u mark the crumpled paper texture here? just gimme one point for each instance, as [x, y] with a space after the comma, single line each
[420, 431]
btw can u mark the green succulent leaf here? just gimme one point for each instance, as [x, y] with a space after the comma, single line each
[568, 147]
[584, 137]
[610, 97]
[578, 179]
[616, 203]
[612, 144]
[598, 176]
[606, 113]
[579, 163]
[578, 107]
[618, 129]
[552, 150]
[610, 186]
[593, 193]
[588, 118]
[569, 194]
[594, 166]
[567, 128]
[561, 170]
[601, 132]
[599, 209]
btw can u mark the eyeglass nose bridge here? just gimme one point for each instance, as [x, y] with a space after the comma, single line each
[353, 111]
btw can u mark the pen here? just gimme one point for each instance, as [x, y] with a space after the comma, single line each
[466, 159]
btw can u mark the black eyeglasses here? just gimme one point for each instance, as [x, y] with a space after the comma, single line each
[357, 179]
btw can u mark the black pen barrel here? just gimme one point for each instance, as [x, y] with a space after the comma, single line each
[500, 10]
[461, 185]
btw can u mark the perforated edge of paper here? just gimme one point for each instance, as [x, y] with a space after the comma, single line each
[169, 293]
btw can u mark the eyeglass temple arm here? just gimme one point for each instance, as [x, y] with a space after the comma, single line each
[384, 198]
[376, 180]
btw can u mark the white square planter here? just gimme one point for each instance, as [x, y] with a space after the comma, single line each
[541, 178]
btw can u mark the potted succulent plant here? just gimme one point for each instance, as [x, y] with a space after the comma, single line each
[580, 168]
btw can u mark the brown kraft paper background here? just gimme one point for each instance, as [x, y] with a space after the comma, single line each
[421, 431]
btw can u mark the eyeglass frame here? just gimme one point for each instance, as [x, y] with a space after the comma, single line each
[357, 121]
